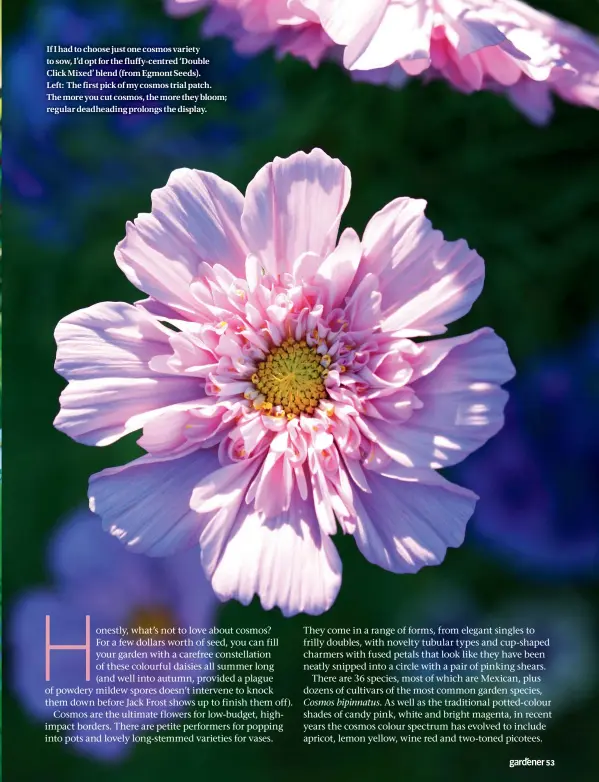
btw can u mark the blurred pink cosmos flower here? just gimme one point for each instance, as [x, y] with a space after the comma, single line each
[255, 25]
[501, 45]
[274, 372]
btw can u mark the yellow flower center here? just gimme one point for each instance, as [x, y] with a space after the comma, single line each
[291, 378]
[152, 618]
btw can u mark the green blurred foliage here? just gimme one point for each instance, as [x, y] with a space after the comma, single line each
[524, 197]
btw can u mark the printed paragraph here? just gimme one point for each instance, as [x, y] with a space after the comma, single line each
[128, 80]
[143, 681]
[421, 685]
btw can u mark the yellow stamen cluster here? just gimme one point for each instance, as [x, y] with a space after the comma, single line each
[291, 379]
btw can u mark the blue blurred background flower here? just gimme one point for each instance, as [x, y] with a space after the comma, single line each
[567, 621]
[93, 574]
[538, 480]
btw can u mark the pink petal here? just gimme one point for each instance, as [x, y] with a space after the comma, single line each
[274, 485]
[472, 72]
[195, 218]
[263, 16]
[500, 66]
[294, 206]
[217, 498]
[342, 21]
[426, 282]
[363, 308]
[335, 275]
[580, 85]
[186, 357]
[393, 408]
[472, 34]
[286, 561]
[462, 402]
[145, 504]
[166, 433]
[403, 34]
[308, 42]
[403, 526]
[105, 352]
[178, 8]
[534, 100]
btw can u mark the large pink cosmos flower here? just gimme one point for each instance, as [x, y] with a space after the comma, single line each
[501, 45]
[274, 372]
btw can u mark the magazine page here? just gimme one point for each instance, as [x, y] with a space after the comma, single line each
[301, 419]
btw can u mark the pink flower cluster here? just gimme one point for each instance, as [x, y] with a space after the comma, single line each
[500, 45]
[274, 372]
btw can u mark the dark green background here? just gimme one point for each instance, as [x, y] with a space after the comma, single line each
[526, 198]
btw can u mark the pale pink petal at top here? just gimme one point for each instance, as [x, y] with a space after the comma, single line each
[280, 390]
[194, 218]
[105, 352]
[293, 206]
[426, 282]
[184, 7]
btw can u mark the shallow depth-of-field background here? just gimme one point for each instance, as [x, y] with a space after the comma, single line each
[524, 197]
